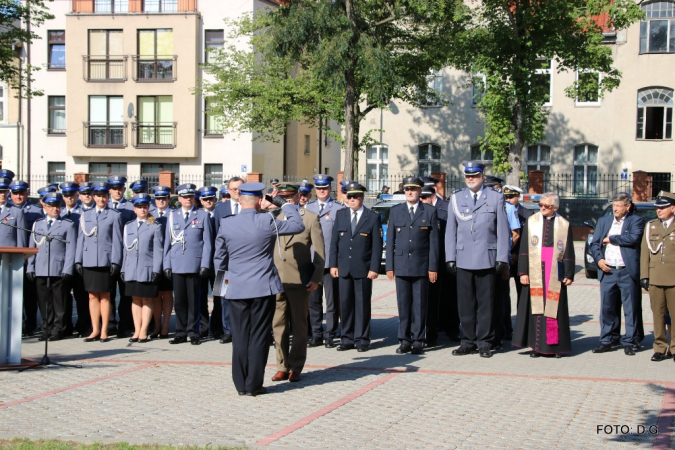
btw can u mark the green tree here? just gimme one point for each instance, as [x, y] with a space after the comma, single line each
[335, 59]
[509, 40]
[14, 17]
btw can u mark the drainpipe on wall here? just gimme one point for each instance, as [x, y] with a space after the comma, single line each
[28, 102]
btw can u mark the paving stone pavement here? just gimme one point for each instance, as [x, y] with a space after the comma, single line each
[157, 393]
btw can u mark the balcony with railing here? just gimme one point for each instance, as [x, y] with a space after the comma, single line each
[154, 134]
[105, 135]
[133, 6]
[160, 69]
[104, 68]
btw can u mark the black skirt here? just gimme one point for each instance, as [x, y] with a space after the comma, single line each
[138, 289]
[97, 279]
[165, 284]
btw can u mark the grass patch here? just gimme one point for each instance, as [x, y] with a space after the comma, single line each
[53, 444]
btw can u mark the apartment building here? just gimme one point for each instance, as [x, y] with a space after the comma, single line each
[629, 129]
[118, 78]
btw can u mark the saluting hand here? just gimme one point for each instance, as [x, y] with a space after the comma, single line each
[433, 276]
[372, 275]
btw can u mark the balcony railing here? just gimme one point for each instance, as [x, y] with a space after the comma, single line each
[154, 134]
[155, 70]
[105, 135]
[133, 6]
[105, 68]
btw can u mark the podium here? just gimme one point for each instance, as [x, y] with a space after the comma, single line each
[11, 301]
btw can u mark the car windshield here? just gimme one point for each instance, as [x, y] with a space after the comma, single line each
[383, 211]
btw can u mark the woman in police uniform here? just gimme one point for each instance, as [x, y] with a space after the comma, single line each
[142, 264]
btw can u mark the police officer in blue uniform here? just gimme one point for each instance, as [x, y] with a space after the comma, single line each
[476, 250]
[326, 208]
[244, 247]
[207, 196]
[356, 251]
[86, 196]
[305, 191]
[44, 191]
[11, 215]
[163, 304]
[6, 173]
[140, 186]
[52, 267]
[412, 259]
[188, 251]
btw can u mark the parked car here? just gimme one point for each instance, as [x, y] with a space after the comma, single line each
[383, 207]
[646, 210]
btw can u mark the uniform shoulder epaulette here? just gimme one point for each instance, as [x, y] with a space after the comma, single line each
[497, 191]
[312, 202]
[457, 190]
[129, 221]
[339, 203]
[66, 219]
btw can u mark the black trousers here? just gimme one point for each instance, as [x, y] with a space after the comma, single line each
[475, 291]
[186, 303]
[501, 313]
[434, 308]
[411, 296]
[83, 324]
[331, 291]
[355, 296]
[448, 312]
[216, 320]
[126, 322]
[204, 285]
[51, 300]
[30, 306]
[251, 338]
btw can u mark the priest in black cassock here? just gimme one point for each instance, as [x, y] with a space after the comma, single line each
[546, 268]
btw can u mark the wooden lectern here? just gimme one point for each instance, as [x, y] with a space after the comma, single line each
[11, 301]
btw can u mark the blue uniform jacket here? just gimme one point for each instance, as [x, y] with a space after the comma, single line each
[125, 208]
[356, 254]
[188, 246]
[9, 236]
[477, 236]
[327, 221]
[62, 257]
[412, 246]
[99, 238]
[222, 210]
[143, 250]
[244, 247]
[629, 242]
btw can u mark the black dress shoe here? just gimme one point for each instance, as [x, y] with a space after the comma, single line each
[628, 350]
[92, 339]
[403, 348]
[485, 352]
[330, 343]
[108, 339]
[417, 350]
[133, 339]
[602, 348]
[164, 336]
[343, 347]
[315, 342]
[178, 340]
[143, 341]
[362, 348]
[658, 356]
[261, 391]
[226, 339]
[55, 338]
[535, 354]
[461, 351]
[430, 343]
[195, 340]
[43, 338]
[637, 346]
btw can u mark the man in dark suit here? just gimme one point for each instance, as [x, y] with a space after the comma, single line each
[616, 250]
[512, 196]
[355, 253]
[412, 259]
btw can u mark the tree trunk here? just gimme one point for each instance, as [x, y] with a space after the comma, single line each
[350, 98]
[514, 157]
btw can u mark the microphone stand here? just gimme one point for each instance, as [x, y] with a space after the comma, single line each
[45, 361]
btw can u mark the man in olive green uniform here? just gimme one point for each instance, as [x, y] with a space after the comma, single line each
[657, 270]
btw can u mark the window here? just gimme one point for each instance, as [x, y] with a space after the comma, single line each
[478, 86]
[539, 158]
[160, 5]
[213, 122]
[111, 6]
[150, 171]
[105, 61]
[657, 31]
[56, 172]
[542, 78]
[155, 125]
[429, 159]
[57, 114]
[3, 103]
[213, 40]
[435, 88]
[155, 55]
[588, 88]
[213, 174]
[377, 167]
[101, 171]
[655, 114]
[57, 49]
[479, 154]
[307, 141]
[585, 170]
[106, 121]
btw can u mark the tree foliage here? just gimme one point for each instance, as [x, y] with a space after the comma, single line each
[335, 59]
[14, 15]
[507, 41]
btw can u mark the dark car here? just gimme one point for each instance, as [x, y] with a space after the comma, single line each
[645, 210]
[383, 208]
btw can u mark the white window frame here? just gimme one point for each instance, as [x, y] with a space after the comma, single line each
[379, 162]
[429, 162]
[435, 83]
[582, 103]
[539, 162]
[213, 171]
[548, 71]
[592, 190]
[483, 154]
[643, 104]
[3, 103]
[476, 93]
[211, 49]
[664, 11]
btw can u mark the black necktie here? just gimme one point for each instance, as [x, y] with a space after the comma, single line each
[68, 214]
[115, 205]
[236, 209]
[49, 223]
[321, 205]
[161, 214]
[475, 198]
[354, 221]
[140, 222]
[98, 214]
[187, 214]
[412, 213]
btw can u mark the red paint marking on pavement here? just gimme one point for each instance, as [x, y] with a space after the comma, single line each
[384, 315]
[75, 386]
[323, 411]
[377, 299]
[665, 423]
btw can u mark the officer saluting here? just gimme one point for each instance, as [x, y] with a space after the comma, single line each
[11, 215]
[355, 253]
[188, 249]
[412, 258]
[476, 249]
